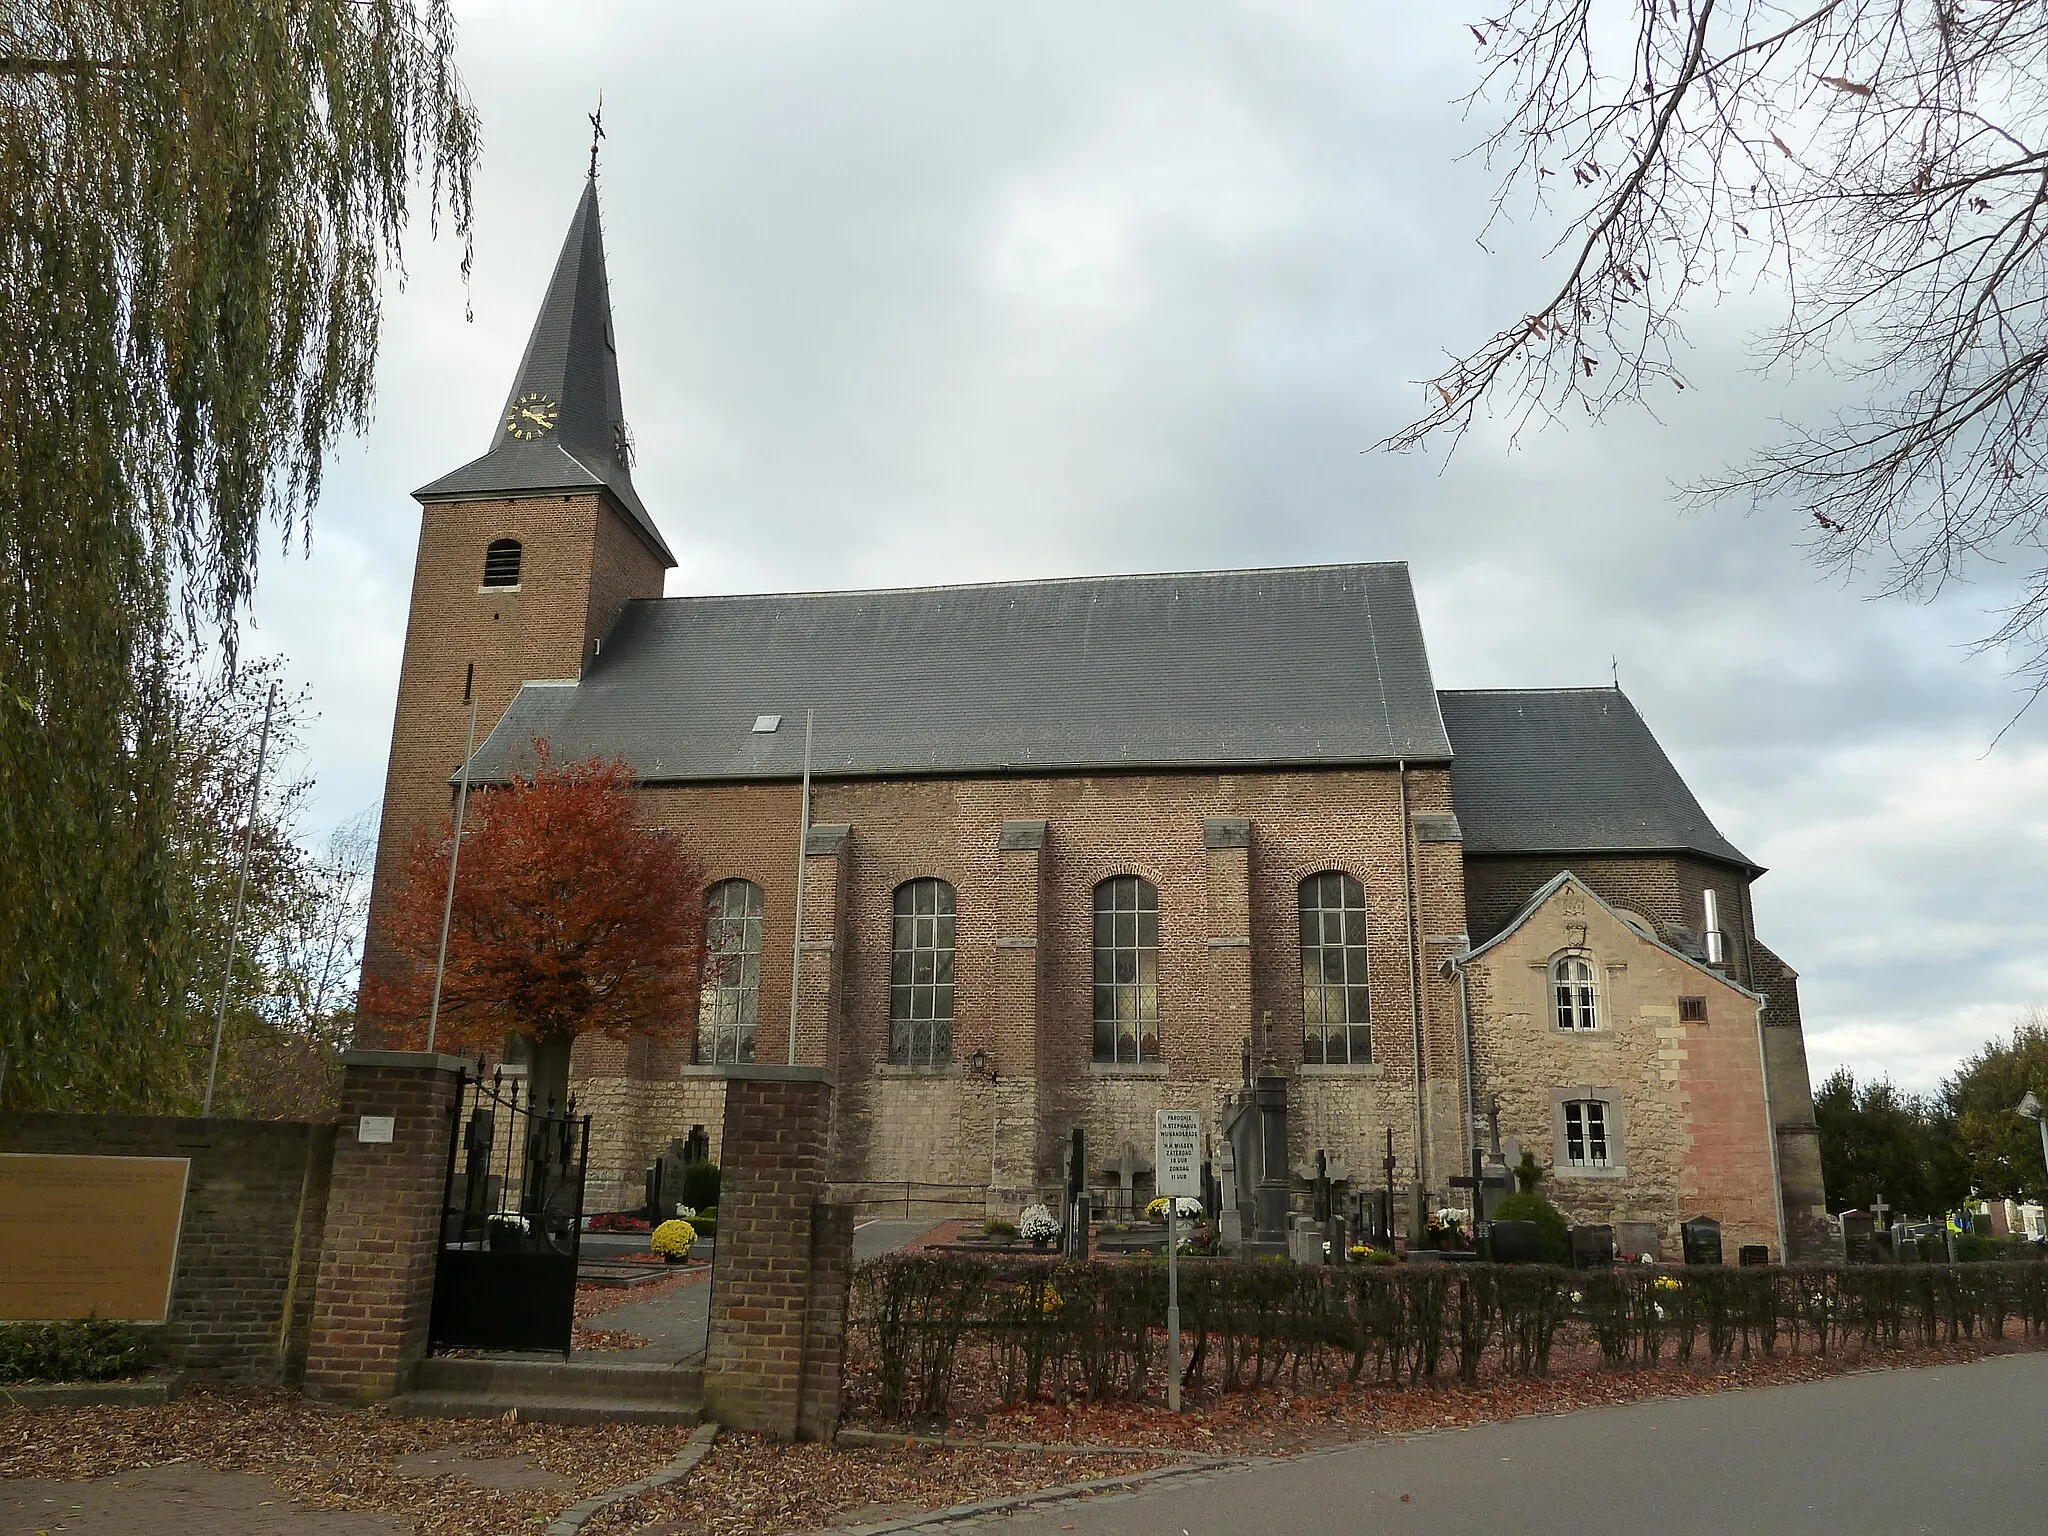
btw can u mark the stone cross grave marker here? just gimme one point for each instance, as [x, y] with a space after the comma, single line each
[1126, 1171]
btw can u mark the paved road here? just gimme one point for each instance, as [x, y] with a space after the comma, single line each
[1952, 1448]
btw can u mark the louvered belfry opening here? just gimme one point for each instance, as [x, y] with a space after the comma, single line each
[501, 563]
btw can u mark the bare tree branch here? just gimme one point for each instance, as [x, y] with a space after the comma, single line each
[1886, 163]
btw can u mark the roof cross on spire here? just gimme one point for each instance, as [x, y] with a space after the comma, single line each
[596, 133]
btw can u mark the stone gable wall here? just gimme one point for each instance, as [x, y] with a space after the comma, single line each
[1665, 889]
[1695, 1130]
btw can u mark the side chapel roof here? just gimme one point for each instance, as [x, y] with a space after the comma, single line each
[1570, 770]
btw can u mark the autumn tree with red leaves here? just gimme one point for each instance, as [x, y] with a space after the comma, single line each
[569, 918]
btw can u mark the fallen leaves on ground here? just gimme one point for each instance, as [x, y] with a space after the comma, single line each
[333, 1459]
[1287, 1419]
[748, 1486]
[604, 1339]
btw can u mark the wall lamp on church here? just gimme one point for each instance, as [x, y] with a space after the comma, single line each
[979, 1066]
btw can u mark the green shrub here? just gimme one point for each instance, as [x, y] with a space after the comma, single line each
[706, 1223]
[997, 1227]
[82, 1351]
[700, 1185]
[1557, 1240]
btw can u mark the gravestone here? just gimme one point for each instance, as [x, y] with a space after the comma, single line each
[1633, 1239]
[1753, 1255]
[1229, 1220]
[1123, 1175]
[665, 1179]
[1700, 1239]
[1514, 1242]
[1859, 1244]
[1592, 1247]
[1074, 1233]
[697, 1145]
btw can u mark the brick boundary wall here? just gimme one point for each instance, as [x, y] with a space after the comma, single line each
[376, 1285]
[783, 1260]
[249, 1247]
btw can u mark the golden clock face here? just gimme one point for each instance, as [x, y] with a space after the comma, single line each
[532, 415]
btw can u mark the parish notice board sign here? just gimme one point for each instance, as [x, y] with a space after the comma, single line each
[89, 1236]
[1177, 1151]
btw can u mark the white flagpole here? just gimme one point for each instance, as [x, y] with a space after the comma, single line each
[220, 1014]
[454, 858]
[803, 848]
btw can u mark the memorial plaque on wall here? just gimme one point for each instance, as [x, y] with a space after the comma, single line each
[89, 1236]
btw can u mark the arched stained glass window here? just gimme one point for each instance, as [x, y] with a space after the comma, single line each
[1336, 1005]
[1126, 970]
[921, 975]
[731, 995]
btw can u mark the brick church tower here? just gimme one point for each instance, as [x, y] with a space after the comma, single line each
[525, 555]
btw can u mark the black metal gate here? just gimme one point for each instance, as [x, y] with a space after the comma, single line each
[511, 1220]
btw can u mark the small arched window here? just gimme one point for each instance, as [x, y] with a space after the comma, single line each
[1336, 1005]
[501, 563]
[921, 975]
[1126, 970]
[1574, 983]
[729, 1001]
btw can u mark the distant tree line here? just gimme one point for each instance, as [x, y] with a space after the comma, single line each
[1928, 1153]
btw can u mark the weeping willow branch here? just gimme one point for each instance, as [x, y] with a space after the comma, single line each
[190, 276]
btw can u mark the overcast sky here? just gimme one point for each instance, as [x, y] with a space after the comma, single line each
[957, 291]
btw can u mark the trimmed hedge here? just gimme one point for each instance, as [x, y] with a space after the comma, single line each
[1034, 1328]
[81, 1351]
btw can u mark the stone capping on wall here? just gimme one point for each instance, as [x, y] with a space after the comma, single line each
[1226, 832]
[763, 1072]
[1022, 836]
[1438, 828]
[827, 842]
[419, 1061]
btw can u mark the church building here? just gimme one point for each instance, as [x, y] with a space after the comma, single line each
[1081, 849]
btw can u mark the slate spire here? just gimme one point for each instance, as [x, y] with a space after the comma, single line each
[563, 427]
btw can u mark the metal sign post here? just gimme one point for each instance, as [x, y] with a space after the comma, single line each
[1177, 1155]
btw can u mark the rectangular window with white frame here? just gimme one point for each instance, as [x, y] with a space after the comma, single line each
[1585, 1133]
[1586, 1123]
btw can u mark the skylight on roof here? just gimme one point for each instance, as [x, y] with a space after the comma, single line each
[763, 724]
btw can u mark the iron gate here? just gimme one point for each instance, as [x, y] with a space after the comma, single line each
[511, 1220]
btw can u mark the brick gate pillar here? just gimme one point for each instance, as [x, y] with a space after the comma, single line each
[375, 1289]
[783, 1257]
